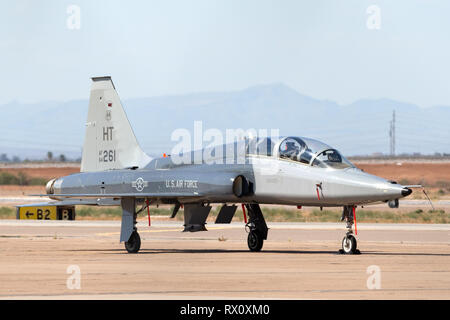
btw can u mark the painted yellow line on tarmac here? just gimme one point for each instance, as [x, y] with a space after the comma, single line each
[153, 231]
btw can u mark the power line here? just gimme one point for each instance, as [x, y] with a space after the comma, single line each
[392, 134]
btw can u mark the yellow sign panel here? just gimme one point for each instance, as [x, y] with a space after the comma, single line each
[38, 213]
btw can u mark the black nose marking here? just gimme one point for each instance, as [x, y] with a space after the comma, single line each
[406, 192]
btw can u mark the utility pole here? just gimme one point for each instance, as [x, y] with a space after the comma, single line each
[392, 134]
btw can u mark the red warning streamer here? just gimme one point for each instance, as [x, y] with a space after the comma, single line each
[148, 212]
[245, 216]
[354, 219]
[319, 186]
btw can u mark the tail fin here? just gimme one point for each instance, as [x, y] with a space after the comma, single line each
[109, 142]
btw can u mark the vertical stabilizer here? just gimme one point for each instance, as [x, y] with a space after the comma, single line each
[109, 142]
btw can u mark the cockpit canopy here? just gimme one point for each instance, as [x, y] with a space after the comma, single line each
[303, 150]
[313, 152]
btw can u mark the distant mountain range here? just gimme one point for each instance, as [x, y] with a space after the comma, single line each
[30, 130]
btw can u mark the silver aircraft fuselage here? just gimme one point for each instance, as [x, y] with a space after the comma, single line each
[274, 180]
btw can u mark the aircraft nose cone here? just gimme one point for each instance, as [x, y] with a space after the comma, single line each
[406, 192]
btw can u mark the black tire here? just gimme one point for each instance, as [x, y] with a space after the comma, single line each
[349, 244]
[134, 243]
[255, 241]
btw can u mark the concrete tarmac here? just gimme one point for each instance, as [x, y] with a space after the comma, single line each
[298, 261]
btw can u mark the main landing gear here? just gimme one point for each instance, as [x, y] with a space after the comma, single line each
[128, 229]
[255, 241]
[349, 242]
[134, 243]
[256, 228]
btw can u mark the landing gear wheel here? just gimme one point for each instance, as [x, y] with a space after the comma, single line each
[255, 241]
[349, 244]
[134, 243]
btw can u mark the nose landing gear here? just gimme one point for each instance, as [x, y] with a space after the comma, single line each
[349, 242]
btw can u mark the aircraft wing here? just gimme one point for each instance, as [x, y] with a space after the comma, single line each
[141, 195]
[73, 202]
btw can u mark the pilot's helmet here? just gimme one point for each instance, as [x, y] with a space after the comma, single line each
[291, 145]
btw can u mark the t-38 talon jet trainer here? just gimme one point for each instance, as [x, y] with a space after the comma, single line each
[293, 171]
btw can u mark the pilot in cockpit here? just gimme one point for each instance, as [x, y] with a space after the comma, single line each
[291, 150]
[294, 150]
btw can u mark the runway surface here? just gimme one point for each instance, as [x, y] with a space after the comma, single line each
[298, 261]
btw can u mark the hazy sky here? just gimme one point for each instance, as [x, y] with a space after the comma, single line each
[320, 48]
